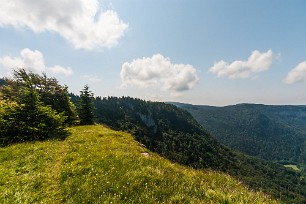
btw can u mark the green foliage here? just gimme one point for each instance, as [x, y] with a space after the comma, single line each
[33, 107]
[173, 133]
[86, 107]
[2, 82]
[276, 133]
[98, 165]
[49, 90]
[29, 119]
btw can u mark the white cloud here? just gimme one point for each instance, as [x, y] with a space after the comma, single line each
[92, 78]
[61, 70]
[257, 62]
[31, 61]
[297, 74]
[81, 22]
[28, 59]
[159, 73]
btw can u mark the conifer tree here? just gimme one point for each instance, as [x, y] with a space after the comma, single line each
[86, 107]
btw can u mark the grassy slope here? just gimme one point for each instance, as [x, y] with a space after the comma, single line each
[99, 165]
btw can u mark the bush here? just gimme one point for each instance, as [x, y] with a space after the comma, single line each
[29, 120]
[51, 93]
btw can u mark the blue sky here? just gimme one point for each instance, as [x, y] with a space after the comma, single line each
[210, 52]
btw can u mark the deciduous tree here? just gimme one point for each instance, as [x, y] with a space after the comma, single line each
[50, 91]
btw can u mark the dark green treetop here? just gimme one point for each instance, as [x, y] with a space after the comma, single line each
[86, 107]
[2, 82]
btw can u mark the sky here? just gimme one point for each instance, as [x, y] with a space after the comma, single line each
[205, 52]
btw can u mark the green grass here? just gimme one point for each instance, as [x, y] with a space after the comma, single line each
[98, 165]
[294, 167]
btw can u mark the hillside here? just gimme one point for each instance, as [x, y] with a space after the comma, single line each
[175, 134]
[276, 133]
[98, 165]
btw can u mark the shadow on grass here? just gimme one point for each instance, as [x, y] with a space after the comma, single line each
[9, 139]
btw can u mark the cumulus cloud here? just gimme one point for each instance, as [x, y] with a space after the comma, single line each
[81, 22]
[61, 70]
[297, 74]
[158, 72]
[32, 61]
[257, 62]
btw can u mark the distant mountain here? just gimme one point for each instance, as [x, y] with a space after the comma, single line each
[175, 134]
[276, 133]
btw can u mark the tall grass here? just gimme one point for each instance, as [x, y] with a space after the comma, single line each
[98, 165]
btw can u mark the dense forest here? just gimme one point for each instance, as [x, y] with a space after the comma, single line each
[276, 133]
[35, 107]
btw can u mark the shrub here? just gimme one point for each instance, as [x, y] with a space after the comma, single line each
[29, 120]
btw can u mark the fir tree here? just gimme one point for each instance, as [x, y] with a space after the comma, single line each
[86, 107]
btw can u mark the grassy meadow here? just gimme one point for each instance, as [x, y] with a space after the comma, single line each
[98, 165]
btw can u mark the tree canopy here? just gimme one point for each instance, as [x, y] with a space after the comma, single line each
[2, 82]
[50, 91]
[86, 107]
[276, 133]
[33, 107]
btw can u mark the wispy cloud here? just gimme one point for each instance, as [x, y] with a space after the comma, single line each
[297, 74]
[257, 62]
[158, 72]
[92, 78]
[32, 61]
[61, 70]
[81, 22]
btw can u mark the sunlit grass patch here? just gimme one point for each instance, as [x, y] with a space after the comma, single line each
[294, 167]
[99, 165]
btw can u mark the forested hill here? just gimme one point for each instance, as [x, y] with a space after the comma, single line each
[174, 133]
[276, 133]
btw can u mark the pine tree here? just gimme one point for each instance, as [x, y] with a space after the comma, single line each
[86, 107]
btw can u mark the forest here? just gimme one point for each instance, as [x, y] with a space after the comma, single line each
[275, 133]
[176, 135]
[42, 109]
